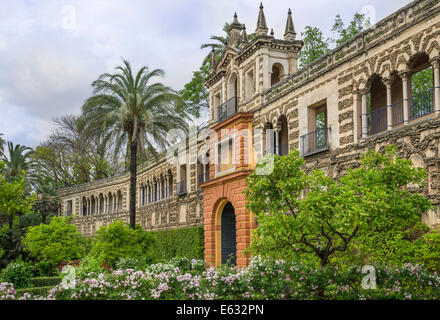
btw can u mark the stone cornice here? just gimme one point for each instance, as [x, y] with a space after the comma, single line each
[240, 115]
[226, 178]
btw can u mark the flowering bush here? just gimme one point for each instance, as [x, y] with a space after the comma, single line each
[262, 279]
[7, 291]
[89, 266]
[19, 273]
[198, 265]
[127, 263]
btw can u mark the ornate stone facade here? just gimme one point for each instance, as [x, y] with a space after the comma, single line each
[357, 97]
[160, 204]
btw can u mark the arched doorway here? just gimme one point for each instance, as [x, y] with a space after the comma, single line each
[228, 235]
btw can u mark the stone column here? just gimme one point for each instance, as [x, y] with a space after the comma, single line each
[388, 83]
[436, 68]
[405, 79]
[364, 115]
[277, 140]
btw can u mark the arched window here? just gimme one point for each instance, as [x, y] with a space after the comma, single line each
[250, 84]
[422, 87]
[119, 195]
[283, 136]
[277, 73]
[232, 86]
[110, 202]
[269, 139]
[84, 206]
[93, 205]
[101, 203]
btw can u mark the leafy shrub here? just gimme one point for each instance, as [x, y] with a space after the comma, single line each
[397, 249]
[198, 265]
[161, 268]
[36, 291]
[115, 241]
[45, 281]
[129, 263]
[185, 242]
[183, 263]
[44, 268]
[11, 239]
[89, 266]
[55, 242]
[19, 273]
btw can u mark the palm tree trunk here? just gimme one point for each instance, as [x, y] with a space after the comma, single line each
[133, 173]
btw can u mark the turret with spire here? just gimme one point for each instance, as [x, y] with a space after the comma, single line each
[235, 33]
[289, 34]
[261, 23]
[244, 37]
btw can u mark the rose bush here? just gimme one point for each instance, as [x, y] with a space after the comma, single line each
[262, 279]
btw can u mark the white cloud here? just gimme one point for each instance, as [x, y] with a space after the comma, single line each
[51, 51]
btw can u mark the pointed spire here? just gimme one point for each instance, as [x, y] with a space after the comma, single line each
[289, 34]
[244, 37]
[261, 23]
[213, 62]
[235, 19]
[235, 32]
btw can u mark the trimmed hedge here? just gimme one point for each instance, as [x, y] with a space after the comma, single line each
[46, 281]
[186, 242]
[38, 291]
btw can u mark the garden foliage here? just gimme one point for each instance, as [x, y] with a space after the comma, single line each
[307, 215]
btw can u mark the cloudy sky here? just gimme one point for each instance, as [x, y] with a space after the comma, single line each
[51, 50]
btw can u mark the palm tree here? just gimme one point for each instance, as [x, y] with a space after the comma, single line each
[134, 113]
[47, 200]
[2, 144]
[19, 159]
[219, 45]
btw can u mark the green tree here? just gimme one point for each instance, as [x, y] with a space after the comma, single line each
[315, 46]
[422, 81]
[115, 241]
[11, 238]
[71, 156]
[345, 33]
[46, 204]
[14, 199]
[195, 94]
[134, 113]
[308, 215]
[19, 160]
[55, 242]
